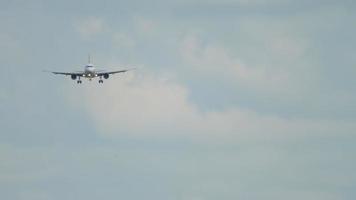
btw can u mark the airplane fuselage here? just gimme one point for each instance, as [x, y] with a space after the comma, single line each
[89, 72]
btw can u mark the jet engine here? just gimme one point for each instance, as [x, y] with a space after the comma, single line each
[106, 76]
[73, 76]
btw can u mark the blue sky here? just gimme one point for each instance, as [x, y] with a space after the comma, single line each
[230, 100]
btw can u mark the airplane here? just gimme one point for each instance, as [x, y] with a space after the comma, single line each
[89, 72]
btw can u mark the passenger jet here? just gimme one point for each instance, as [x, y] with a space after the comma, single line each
[90, 72]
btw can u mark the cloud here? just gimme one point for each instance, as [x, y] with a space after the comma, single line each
[239, 2]
[143, 105]
[123, 40]
[144, 24]
[217, 62]
[12, 50]
[90, 27]
[152, 105]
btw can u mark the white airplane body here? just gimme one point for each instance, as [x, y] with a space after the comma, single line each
[89, 72]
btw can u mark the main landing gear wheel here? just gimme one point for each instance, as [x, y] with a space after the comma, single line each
[101, 81]
[79, 81]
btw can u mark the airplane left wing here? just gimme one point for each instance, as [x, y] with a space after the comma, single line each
[102, 73]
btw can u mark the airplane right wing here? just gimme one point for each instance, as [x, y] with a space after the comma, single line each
[79, 73]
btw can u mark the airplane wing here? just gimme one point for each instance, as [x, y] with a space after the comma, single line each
[102, 73]
[78, 73]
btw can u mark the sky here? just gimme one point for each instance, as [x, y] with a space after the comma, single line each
[230, 99]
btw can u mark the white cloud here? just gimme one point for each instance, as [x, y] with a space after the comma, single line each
[144, 105]
[34, 194]
[90, 27]
[123, 40]
[12, 49]
[287, 48]
[144, 26]
[216, 61]
[242, 2]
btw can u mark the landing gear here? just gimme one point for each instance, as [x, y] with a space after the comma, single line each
[101, 80]
[79, 81]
